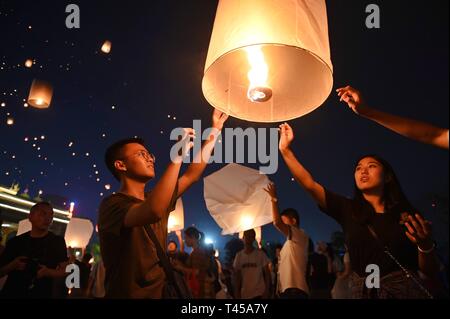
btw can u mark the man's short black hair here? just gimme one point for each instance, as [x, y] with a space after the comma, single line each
[292, 213]
[113, 153]
[37, 206]
[250, 232]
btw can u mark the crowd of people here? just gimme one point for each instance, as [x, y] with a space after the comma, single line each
[380, 227]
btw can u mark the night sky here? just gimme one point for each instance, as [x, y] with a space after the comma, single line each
[150, 83]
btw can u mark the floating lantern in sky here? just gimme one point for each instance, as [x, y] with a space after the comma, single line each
[41, 93]
[71, 207]
[10, 121]
[106, 47]
[29, 63]
[268, 61]
[24, 227]
[78, 233]
[236, 199]
[176, 217]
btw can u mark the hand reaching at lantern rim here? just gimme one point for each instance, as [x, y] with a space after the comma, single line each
[419, 231]
[354, 99]
[286, 137]
[218, 119]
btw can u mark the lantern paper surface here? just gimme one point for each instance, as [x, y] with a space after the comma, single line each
[176, 217]
[78, 233]
[236, 199]
[24, 226]
[41, 93]
[279, 48]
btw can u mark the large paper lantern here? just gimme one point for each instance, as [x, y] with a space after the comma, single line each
[41, 93]
[176, 217]
[269, 60]
[78, 233]
[236, 199]
[24, 227]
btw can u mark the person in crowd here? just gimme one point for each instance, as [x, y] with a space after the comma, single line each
[172, 249]
[85, 271]
[294, 254]
[342, 288]
[200, 268]
[35, 262]
[251, 269]
[96, 286]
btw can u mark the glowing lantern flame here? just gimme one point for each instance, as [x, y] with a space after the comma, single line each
[258, 90]
[246, 222]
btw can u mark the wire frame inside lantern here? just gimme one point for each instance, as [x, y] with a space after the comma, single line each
[41, 93]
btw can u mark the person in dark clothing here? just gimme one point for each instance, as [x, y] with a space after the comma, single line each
[35, 262]
[85, 271]
[174, 253]
[378, 216]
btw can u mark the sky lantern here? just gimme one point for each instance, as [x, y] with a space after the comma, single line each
[176, 217]
[78, 233]
[23, 227]
[236, 199]
[29, 63]
[268, 61]
[106, 47]
[41, 93]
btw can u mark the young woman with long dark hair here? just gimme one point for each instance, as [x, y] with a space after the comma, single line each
[379, 217]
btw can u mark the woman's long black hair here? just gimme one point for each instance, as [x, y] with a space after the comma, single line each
[395, 200]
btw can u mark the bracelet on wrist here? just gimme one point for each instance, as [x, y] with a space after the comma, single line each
[426, 251]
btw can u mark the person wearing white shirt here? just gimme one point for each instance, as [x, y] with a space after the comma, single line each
[252, 275]
[294, 254]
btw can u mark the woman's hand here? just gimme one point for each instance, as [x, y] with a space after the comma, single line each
[419, 232]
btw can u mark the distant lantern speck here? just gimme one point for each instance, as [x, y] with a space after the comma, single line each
[106, 47]
[29, 63]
